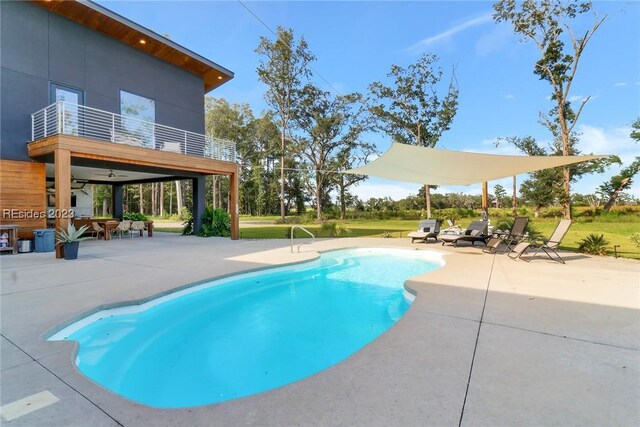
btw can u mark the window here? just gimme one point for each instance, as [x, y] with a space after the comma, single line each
[72, 97]
[140, 114]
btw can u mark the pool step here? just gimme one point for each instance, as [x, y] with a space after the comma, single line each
[394, 310]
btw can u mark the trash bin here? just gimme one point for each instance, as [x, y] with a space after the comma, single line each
[45, 239]
[25, 246]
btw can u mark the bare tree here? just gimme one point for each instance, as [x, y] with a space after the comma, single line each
[284, 67]
[545, 23]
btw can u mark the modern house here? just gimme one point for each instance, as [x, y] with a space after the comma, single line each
[89, 96]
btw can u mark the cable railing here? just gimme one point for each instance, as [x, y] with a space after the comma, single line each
[65, 118]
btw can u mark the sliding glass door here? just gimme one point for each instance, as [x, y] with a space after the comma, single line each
[70, 121]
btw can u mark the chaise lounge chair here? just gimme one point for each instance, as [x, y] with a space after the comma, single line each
[429, 228]
[475, 232]
[547, 246]
[452, 229]
[515, 236]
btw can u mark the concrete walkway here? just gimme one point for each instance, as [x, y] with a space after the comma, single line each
[488, 341]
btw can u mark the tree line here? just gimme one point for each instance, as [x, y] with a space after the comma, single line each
[292, 155]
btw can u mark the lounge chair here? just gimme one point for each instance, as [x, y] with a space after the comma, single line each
[548, 246]
[452, 229]
[429, 228]
[475, 232]
[511, 239]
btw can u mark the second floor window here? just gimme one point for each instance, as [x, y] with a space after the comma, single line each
[139, 116]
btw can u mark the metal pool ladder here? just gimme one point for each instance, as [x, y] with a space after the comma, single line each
[313, 238]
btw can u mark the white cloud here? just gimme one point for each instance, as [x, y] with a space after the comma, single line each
[620, 84]
[447, 34]
[599, 140]
[637, 83]
[617, 141]
[576, 98]
[509, 96]
[495, 40]
[580, 98]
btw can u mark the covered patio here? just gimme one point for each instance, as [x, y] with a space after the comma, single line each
[95, 161]
[488, 340]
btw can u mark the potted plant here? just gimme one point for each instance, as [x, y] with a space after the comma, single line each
[71, 239]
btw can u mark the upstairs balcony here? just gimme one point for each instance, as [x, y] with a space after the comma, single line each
[65, 118]
[81, 144]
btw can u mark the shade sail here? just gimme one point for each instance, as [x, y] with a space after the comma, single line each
[421, 165]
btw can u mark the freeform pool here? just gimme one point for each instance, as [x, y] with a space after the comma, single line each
[247, 333]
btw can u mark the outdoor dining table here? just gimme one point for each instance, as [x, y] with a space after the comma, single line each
[112, 224]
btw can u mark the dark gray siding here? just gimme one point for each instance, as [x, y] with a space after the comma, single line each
[39, 47]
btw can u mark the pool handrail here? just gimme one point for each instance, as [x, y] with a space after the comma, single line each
[313, 238]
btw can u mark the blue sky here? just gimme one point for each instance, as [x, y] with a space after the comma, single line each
[356, 42]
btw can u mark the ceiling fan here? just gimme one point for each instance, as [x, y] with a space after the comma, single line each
[112, 175]
[81, 189]
[76, 185]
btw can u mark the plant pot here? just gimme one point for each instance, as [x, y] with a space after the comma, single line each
[71, 250]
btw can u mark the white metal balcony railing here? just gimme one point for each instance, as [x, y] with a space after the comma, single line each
[65, 118]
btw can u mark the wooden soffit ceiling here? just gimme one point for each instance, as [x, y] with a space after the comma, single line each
[98, 18]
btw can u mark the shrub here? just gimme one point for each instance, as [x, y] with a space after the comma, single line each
[184, 214]
[333, 229]
[187, 225]
[552, 213]
[134, 216]
[593, 245]
[215, 223]
[635, 238]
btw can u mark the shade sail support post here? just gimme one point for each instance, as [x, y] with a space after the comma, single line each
[485, 200]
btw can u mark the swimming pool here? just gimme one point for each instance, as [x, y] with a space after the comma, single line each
[248, 333]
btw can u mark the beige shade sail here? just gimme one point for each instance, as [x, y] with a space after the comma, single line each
[421, 165]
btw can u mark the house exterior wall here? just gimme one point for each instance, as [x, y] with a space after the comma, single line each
[40, 47]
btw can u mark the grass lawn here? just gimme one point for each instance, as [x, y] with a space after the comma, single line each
[617, 233]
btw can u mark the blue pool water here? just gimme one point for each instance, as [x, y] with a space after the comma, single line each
[248, 333]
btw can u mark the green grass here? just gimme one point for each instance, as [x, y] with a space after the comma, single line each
[357, 228]
[168, 229]
[615, 230]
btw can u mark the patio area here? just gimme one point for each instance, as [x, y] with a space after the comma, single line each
[488, 340]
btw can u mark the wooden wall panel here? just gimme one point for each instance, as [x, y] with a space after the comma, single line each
[23, 187]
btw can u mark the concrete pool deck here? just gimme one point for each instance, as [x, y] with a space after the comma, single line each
[488, 340]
